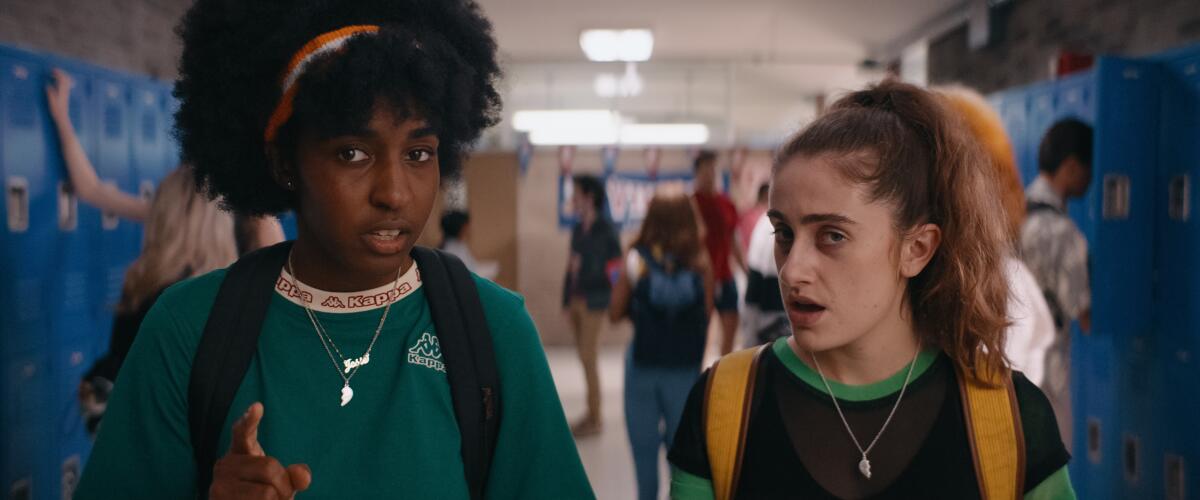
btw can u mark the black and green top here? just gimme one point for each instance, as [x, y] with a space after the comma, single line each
[797, 446]
[396, 438]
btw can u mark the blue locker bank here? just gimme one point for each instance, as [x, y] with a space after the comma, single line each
[65, 261]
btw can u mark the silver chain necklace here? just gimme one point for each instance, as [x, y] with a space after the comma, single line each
[348, 367]
[864, 465]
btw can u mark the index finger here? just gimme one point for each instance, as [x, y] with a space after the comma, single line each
[244, 439]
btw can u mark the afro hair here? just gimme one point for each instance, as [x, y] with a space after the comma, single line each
[435, 59]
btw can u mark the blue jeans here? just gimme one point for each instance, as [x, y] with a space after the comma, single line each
[654, 396]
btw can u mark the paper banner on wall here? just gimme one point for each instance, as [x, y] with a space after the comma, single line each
[525, 155]
[566, 157]
[629, 196]
[608, 155]
[653, 157]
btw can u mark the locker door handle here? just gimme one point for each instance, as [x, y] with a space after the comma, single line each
[1176, 473]
[1179, 198]
[16, 201]
[1116, 197]
[68, 207]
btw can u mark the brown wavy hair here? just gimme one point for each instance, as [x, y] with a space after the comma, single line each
[672, 226]
[916, 156]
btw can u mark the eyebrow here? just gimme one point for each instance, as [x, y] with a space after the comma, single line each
[814, 218]
[422, 132]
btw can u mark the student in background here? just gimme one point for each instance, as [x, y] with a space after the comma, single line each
[186, 235]
[587, 287]
[720, 223]
[250, 232]
[456, 232]
[1056, 251]
[751, 217]
[665, 289]
[763, 318]
[1032, 330]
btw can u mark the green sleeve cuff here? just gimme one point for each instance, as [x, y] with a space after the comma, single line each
[687, 486]
[1055, 487]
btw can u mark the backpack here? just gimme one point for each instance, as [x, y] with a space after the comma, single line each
[990, 408]
[230, 341]
[668, 312]
[670, 288]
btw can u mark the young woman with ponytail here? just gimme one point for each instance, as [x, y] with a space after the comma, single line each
[890, 248]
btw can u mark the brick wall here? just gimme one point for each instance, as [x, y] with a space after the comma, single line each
[135, 36]
[1031, 33]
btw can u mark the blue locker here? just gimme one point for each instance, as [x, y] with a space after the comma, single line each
[71, 442]
[1177, 246]
[288, 221]
[171, 149]
[1040, 115]
[117, 243]
[29, 206]
[25, 414]
[1013, 108]
[149, 137]
[1121, 212]
[76, 222]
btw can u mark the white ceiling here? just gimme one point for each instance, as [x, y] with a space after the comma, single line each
[750, 69]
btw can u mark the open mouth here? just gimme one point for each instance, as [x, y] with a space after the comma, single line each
[803, 312]
[807, 307]
[386, 234]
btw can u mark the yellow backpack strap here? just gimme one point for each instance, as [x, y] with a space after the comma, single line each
[993, 420]
[726, 416]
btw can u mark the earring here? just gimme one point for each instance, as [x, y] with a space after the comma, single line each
[288, 184]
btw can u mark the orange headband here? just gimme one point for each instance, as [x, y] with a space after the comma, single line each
[322, 44]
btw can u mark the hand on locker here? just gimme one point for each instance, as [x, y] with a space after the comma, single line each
[58, 95]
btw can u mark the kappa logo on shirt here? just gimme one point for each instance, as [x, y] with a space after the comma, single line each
[427, 352]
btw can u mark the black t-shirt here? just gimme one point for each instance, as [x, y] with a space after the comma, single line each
[924, 453]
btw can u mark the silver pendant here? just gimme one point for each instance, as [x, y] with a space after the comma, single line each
[355, 363]
[347, 393]
[864, 466]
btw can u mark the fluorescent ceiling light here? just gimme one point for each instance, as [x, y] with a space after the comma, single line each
[528, 121]
[663, 134]
[598, 127]
[609, 85]
[617, 45]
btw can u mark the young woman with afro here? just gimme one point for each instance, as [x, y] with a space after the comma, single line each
[351, 113]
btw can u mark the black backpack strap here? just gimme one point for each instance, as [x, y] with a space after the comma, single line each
[1034, 207]
[229, 343]
[467, 351]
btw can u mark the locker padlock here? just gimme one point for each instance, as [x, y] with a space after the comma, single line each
[1116, 197]
[68, 207]
[1179, 197]
[1175, 475]
[1093, 440]
[16, 200]
[1130, 451]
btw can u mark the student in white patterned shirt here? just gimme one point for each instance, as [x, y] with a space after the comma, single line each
[1056, 251]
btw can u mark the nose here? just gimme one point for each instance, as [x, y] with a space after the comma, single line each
[796, 265]
[391, 188]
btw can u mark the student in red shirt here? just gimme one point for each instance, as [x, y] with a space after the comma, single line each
[720, 222]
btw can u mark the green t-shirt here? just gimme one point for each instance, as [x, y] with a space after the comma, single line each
[397, 437]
